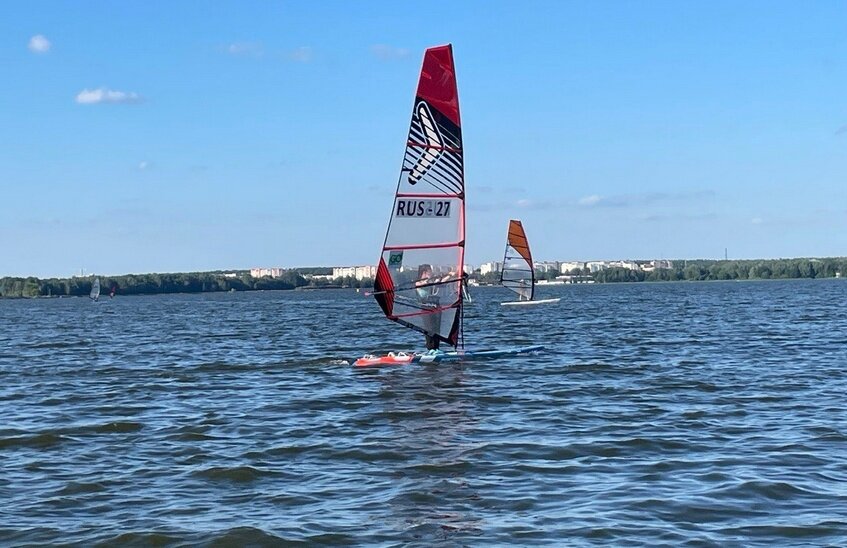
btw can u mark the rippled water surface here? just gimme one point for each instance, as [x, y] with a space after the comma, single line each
[691, 413]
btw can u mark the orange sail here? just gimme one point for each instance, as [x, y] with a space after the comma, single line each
[518, 273]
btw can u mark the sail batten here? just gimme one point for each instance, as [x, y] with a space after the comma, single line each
[518, 272]
[419, 275]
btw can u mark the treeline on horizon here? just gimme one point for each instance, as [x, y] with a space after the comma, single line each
[742, 269]
[200, 282]
[150, 284]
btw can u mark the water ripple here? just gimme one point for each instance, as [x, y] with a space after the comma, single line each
[693, 414]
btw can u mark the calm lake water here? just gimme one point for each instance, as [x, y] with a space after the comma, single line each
[676, 414]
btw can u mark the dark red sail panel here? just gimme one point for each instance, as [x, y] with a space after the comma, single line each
[437, 85]
[384, 289]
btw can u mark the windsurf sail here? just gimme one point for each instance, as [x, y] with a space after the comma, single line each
[518, 273]
[95, 289]
[419, 277]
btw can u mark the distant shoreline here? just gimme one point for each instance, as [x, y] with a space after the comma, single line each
[474, 287]
[221, 281]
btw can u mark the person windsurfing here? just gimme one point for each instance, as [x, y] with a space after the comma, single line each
[428, 294]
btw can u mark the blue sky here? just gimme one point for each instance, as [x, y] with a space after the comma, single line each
[175, 136]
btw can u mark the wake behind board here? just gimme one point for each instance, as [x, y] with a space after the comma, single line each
[467, 355]
[525, 303]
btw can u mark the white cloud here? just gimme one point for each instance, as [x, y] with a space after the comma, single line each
[39, 44]
[646, 199]
[594, 199]
[525, 203]
[388, 53]
[106, 95]
[301, 55]
[756, 220]
[143, 165]
[245, 48]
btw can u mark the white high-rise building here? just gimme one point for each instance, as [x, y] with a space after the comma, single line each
[274, 272]
[487, 268]
[546, 266]
[566, 267]
[358, 272]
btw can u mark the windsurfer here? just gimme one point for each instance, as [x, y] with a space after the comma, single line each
[428, 294]
[422, 284]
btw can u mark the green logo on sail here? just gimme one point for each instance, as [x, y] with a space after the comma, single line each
[395, 258]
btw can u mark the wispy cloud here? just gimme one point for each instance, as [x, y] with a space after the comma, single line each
[637, 202]
[526, 203]
[842, 130]
[144, 165]
[486, 189]
[591, 200]
[302, 54]
[644, 199]
[253, 49]
[756, 221]
[39, 44]
[678, 217]
[384, 52]
[501, 205]
[106, 96]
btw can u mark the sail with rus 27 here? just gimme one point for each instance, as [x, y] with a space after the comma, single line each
[419, 278]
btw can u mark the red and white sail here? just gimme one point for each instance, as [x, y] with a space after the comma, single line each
[419, 276]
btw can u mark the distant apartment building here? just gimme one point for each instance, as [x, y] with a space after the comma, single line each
[646, 266]
[565, 267]
[230, 274]
[488, 268]
[358, 272]
[546, 266]
[262, 272]
[596, 266]
[629, 265]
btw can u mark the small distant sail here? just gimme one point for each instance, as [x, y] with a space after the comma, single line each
[419, 277]
[95, 289]
[518, 273]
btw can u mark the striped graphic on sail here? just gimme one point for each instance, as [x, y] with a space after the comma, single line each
[518, 273]
[419, 277]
